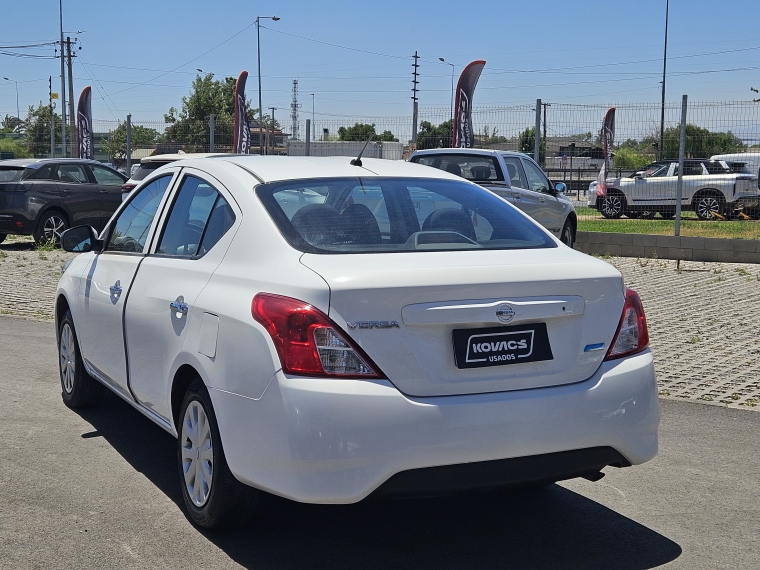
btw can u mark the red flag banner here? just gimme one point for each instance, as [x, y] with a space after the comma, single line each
[242, 136]
[84, 124]
[608, 139]
[463, 135]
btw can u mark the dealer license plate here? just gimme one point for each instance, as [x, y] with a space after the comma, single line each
[497, 346]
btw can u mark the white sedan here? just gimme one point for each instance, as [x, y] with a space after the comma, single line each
[325, 331]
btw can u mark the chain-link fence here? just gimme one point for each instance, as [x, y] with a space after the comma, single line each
[643, 179]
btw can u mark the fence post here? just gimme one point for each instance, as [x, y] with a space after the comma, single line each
[52, 133]
[537, 133]
[307, 149]
[211, 125]
[681, 152]
[129, 144]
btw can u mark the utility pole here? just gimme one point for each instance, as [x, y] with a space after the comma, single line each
[415, 74]
[664, 65]
[545, 105]
[294, 106]
[73, 135]
[63, 85]
[52, 117]
[273, 110]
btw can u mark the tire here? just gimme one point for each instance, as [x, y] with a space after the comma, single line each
[708, 204]
[213, 497]
[612, 206]
[78, 389]
[567, 236]
[51, 225]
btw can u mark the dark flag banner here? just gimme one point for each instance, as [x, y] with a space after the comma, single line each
[84, 124]
[463, 135]
[608, 139]
[242, 136]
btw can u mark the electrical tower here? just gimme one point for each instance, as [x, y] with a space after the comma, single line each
[415, 65]
[294, 112]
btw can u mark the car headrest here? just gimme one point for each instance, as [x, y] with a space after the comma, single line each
[454, 169]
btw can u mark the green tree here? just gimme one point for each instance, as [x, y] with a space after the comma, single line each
[37, 132]
[629, 158]
[491, 136]
[700, 142]
[116, 143]
[11, 124]
[430, 136]
[527, 144]
[362, 131]
[14, 146]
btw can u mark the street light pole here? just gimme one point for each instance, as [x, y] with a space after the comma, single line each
[313, 128]
[664, 64]
[452, 90]
[63, 86]
[258, 56]
[18, 118]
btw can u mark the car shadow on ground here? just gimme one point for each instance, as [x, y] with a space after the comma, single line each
[549, 528]
[17, 246]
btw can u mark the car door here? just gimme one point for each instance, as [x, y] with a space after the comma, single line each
[170, 278]
[80, 194]
[549, 211]
[109, 186]
[107, 282]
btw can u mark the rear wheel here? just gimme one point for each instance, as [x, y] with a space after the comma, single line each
[612, 206]
[79, 389]
[50, 227]
[707, 206]
[568, 235]
[213, 497]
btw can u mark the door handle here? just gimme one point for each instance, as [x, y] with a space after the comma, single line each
[516, 196]
[179, 306]
[542, 199]
[115, 289]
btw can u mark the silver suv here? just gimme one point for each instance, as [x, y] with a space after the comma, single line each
[710, 188]
[513, 176]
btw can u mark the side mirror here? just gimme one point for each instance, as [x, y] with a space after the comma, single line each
[80, 240]
[560, 188]
[638, 175]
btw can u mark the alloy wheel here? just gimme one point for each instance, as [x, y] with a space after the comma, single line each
[197, 453]
[612, 206]
[67, 355]
[707, 207]
[53, 228]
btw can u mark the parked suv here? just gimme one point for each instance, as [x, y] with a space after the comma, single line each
[513, 176]
[44, 197]
[710, 188]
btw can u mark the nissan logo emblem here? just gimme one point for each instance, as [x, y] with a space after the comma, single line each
[505, 313]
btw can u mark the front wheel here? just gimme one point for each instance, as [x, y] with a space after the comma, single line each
[213, 497]
[612, 206]
[707, 206]
[79, 389]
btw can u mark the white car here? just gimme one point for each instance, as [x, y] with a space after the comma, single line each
[325, 331]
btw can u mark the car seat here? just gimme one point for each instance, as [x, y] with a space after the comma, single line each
[360, 225]
[319, 224]
[480, 173]
[512, 169]
[454, 168]
[450, 220]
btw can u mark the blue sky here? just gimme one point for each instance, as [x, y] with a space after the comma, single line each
[140, 57]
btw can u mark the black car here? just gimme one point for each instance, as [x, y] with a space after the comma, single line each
[44, 197]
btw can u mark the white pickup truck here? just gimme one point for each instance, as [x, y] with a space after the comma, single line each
[710, 188]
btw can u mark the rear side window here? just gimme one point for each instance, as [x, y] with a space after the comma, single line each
[133, 224]
[385, 215]
[45, 172]
[199, 217]
[72, 174]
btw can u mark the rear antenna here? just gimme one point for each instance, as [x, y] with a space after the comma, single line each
[358, 160]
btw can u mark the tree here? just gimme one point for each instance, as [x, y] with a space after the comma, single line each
[11, 124]
[362, 131]
[491, 136]
[700, 142]
[629, 159]
[527, 144]
[14, 146]
[37, 133]
[430, 136]
[116, 144]
[208, 96]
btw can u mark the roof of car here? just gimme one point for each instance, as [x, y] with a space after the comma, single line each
[482, 151]
[276, 168]
[37, 162]
[178, 156]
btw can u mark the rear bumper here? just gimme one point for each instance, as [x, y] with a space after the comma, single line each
[337, 441]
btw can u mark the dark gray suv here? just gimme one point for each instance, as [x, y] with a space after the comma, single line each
[44, 197]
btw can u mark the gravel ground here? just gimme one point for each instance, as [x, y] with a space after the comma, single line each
[703, 317]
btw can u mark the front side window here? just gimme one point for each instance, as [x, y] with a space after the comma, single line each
[384, 215]
[198, 218]
[536, 179]
[131, 228]
[72, 174]
[657, 170]
[106, 176]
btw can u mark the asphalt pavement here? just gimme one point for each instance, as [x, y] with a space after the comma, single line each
[98, 488]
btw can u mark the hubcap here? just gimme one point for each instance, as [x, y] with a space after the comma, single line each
[197, 453]
[611, 205]
[53, 228]
[67, 354]
[708, 207]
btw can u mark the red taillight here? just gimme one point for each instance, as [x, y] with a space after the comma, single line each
[632, 335]
[126, 188]
[308, 342]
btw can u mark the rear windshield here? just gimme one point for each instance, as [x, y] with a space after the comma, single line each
[11, 174]
[472, 167]
[384, 215]
[146, 168]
